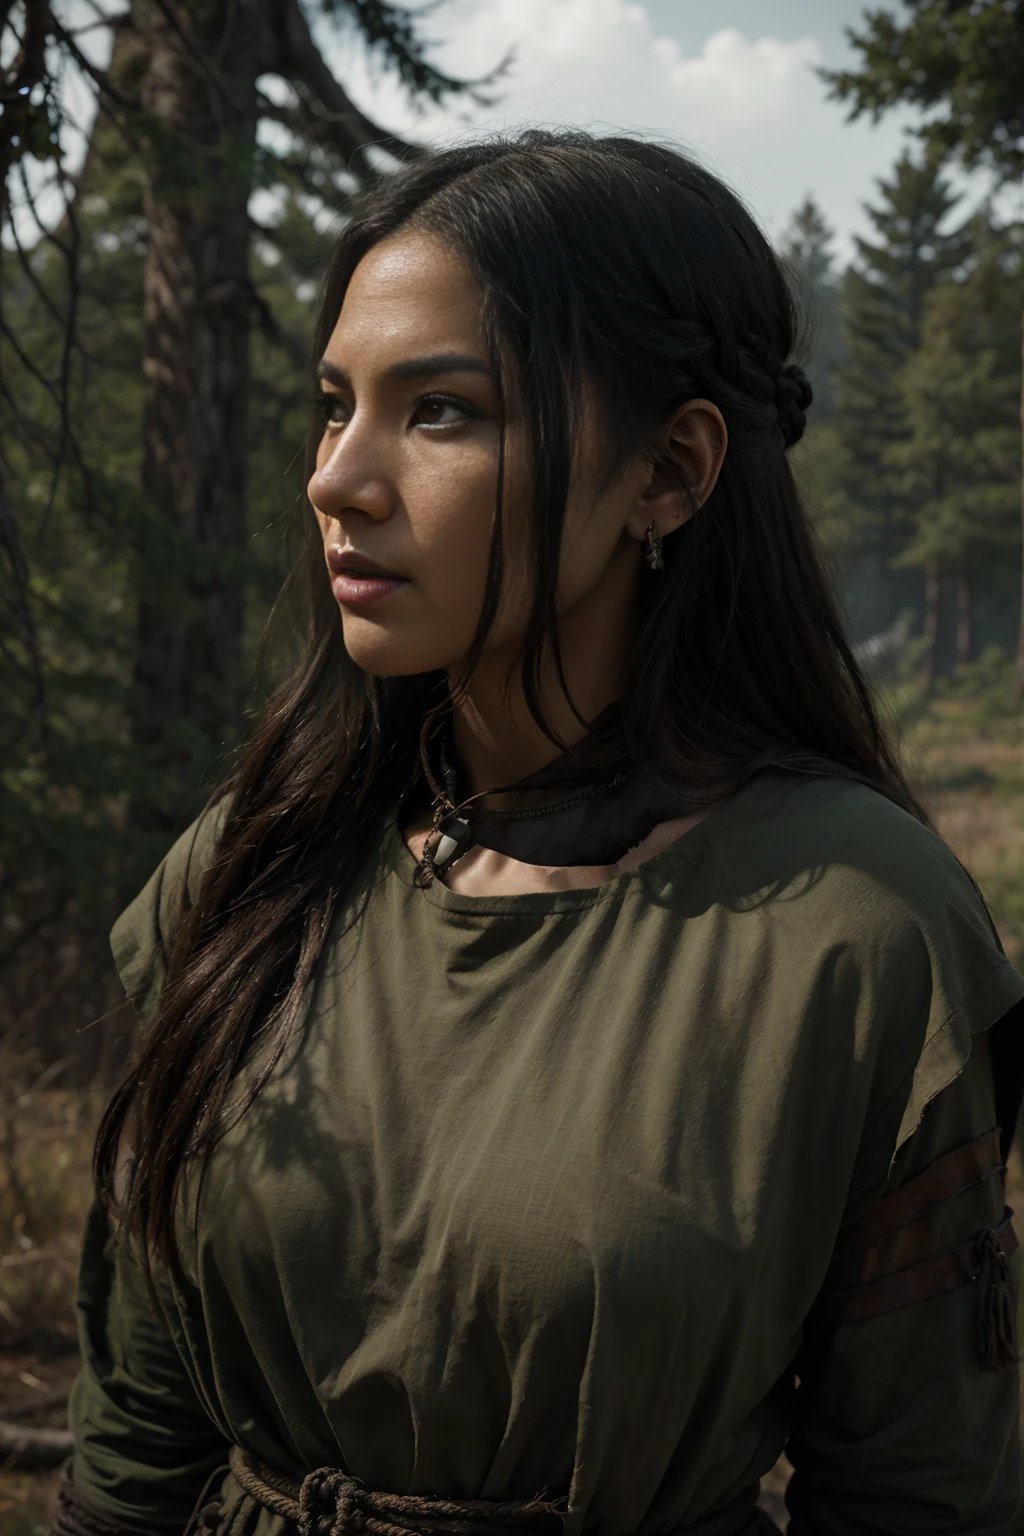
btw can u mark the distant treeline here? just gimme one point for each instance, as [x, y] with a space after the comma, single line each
[912, 465]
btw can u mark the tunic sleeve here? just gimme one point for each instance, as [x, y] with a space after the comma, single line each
[144, 1445]
[140, 938]
[898, 1427]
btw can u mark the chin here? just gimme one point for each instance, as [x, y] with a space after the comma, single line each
[388, 655]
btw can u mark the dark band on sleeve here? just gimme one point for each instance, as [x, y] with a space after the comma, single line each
[902, 1242]
[944, 1272]
[943, 1180]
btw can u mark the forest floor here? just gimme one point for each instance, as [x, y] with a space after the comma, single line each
[962, 748]
[45, 1186]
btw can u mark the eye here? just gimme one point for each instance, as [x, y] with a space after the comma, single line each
[331, 409]
[440, 411]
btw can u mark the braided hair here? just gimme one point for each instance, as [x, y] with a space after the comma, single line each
[793, 396]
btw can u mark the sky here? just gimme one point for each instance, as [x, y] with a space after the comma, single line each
[733, 81]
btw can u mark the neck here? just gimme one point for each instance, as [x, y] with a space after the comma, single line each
[495, 735]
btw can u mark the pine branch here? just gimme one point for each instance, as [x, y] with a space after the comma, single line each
[32, 278]
[393, 31]
[326, 115]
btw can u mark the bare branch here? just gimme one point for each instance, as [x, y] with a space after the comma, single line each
[11, 545]
[34, 1449]
[310, 127]
[27, 363]
[29, 64]
[331, 118]
[30, 273]
[200, 63]
[30, 204]
[100, 77]
[67, 349]
[28, 428]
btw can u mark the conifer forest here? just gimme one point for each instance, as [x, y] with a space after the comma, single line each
[172, 174]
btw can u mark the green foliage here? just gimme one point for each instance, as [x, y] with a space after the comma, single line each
[60, 746]
[99, 545]
[962, 61]
[864, 501]
[821, 464]
[392, 31]
[984, 688]
[806, 249]
[883, 302]
[958, 466]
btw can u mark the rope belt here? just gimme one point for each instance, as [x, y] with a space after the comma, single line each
[327, 1502]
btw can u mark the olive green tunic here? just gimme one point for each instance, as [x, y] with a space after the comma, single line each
[543, 1196]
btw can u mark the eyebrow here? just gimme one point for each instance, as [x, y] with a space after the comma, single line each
[413, 368]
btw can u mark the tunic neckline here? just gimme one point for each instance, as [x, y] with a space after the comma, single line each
[684, 850]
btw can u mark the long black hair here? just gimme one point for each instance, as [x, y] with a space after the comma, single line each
[612, 264]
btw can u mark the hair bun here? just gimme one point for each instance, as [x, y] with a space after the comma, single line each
[793, 396]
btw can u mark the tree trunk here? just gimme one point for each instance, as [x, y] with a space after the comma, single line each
[198, 136]
[931, 620]
[1018, 668]
[964, 612]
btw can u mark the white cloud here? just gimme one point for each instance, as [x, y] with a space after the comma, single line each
[750, 107]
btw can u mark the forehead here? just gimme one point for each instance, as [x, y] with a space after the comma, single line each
[412, 290]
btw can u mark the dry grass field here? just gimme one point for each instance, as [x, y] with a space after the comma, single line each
[965, 751]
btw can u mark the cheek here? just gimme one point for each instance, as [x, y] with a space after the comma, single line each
[451, 521]
[448, 511]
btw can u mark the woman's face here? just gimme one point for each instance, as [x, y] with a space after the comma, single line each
[406, 472]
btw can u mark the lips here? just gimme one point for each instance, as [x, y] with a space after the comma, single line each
[342, 561]
[358, 581]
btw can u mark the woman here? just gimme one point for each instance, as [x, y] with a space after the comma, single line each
[504, 1162]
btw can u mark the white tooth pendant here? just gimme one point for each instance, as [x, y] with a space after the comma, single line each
[445, 848]
[452, 837]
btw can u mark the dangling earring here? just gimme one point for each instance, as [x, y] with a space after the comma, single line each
[652, 539]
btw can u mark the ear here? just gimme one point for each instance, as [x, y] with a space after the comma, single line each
[692, 449]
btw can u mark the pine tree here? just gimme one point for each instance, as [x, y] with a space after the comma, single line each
[959, 463]
[819, 460]
[884, 295]
[807, 251]
[883, 304]
[960, 63]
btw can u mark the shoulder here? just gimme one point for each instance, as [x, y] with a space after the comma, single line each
[141, 937]
[867, 862]
[874, 916]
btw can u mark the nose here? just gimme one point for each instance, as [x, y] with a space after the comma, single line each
[350, 477]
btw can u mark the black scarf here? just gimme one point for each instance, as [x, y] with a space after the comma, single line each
[589, 806]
